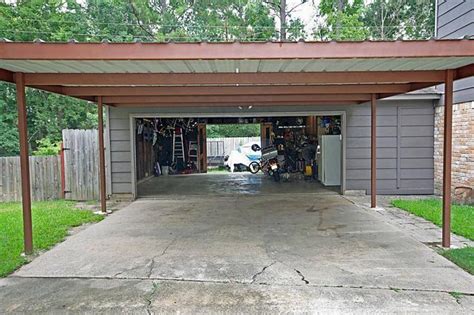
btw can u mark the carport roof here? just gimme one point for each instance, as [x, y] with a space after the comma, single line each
[257, 73]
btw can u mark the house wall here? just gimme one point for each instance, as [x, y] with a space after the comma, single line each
[404, 140]
[463, 146]
[455, 19]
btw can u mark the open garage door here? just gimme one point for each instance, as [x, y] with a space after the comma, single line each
[298, 154]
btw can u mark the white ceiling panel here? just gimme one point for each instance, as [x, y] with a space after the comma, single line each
[225, 65]
[232, 66]
[248, 65]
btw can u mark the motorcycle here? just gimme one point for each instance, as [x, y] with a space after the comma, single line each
[268, 163]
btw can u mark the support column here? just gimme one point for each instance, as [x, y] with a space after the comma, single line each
[100, 109]
[373, 151]
[24, 162]
[447, 152]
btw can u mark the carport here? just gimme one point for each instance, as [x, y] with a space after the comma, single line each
[258, 74]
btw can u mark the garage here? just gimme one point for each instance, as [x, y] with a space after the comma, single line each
[377, 88]
[405, 160]
[304, 154]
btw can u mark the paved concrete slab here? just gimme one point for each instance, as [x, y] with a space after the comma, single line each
[242, 253]
[229, 184]
[112, 296]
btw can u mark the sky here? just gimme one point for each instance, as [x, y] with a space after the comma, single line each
[306, 12]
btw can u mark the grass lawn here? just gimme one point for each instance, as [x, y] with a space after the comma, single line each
[51, 222]
[462, 223]
[463, 257]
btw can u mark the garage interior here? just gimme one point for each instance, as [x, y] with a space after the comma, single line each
[171, 156]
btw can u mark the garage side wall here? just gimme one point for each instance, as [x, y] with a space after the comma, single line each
[404, 147]
[404, 139]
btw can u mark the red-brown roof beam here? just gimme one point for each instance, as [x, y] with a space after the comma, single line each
[239, 50]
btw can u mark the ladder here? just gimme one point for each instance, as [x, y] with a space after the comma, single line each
[178, 146]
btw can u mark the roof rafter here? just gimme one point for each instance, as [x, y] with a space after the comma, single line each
[131, 79]
[235, 90]
[234, 98]
[235, 104]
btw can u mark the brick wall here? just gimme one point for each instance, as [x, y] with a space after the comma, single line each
[463, 149]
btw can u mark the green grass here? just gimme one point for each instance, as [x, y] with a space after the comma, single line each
[51, 222]
[463, 257]
[462, 217]
[462, 223]
[219, 169]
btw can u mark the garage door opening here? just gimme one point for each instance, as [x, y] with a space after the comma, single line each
[176, 156]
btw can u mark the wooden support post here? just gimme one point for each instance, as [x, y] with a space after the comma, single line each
[100, 109]
[447, 151]
[24, 162]
[373, 152]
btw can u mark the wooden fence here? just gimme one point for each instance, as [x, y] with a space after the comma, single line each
[80, 173]
[223, 146]
[44, 176]
[81, 164]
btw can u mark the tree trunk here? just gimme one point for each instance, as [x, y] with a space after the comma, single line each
[283, 20]
[340, 8]
[164, 6]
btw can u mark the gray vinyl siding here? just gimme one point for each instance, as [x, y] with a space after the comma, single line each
[404, 145]
[455, 20]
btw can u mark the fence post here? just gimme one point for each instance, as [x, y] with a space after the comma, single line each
[63, 175]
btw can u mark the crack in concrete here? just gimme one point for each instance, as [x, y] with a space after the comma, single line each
[254, 277]
[235, 282]
[152, 265]
[153, 259]
[302, 276]
[149, 297]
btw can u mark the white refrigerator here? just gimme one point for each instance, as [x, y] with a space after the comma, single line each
[329, 160]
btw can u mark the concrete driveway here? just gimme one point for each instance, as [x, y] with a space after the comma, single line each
[242, 253]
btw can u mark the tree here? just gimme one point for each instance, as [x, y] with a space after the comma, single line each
[48, 114]
[341, 20]
[233, 130]
[407, 19]
[224, 20]
[288, 24]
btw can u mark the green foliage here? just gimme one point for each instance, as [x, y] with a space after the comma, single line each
[8, 122]
[407, 19]
[51, 222]
[237, 130]
[342, 20]
[378, 19]
[462, 216]
[221, 20]
[48, 114]
[46, 147]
